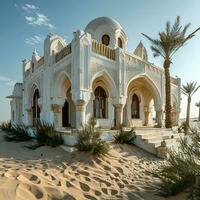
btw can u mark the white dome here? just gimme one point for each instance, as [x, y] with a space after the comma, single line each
[105, 26]
[94, 24]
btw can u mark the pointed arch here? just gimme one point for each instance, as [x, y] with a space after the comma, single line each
[62, 84]
[150, 84]
[107, 83]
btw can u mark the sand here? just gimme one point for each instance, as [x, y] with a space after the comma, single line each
[53, 174]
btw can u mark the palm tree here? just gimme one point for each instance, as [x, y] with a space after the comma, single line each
[198, 105]
[169, 42]
[189, 89]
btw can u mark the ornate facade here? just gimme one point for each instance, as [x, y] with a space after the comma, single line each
[92, 75]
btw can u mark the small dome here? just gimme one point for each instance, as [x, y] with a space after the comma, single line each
[141, 52]
[107, 31]
[94, 24]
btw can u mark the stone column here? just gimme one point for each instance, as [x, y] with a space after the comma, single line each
[146, 115]
[80, 113]
[159, 115]
[118, 114]
[57, 109]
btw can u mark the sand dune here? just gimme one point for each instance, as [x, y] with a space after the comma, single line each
[53, 174]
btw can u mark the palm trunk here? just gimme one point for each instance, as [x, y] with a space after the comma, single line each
[168, 123]
[188, 113]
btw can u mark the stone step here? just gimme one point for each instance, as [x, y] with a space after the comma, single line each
[169, 142]
[164, 136]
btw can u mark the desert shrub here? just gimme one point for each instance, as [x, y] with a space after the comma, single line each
[47, 135]
[6, 126]
[18, 133]
[124, 136]
[89, 139]
[181, 168]
[183, 128]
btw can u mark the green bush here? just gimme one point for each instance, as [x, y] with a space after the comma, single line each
[181, 168]
[47, 135]
[18, 133]
[125, 137]
[6, 126]
[89, 139]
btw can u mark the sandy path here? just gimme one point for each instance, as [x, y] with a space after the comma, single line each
[52, 174]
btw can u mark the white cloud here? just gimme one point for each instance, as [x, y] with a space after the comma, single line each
[29, 7]
[36, 39]
[34, 17]
[39, 20]
[7, 81]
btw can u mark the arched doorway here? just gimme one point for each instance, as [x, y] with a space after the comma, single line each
[65, 114]
[135, 107]
[36, 108]
[143, 100]
[100, 101]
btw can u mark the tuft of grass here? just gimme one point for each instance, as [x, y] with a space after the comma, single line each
[47, 135]
[6, 126]
[183, 128]
[17, 133]
[182, 167]
[125, 137]
[89, 139]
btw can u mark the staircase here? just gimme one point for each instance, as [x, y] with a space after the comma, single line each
[150, 139]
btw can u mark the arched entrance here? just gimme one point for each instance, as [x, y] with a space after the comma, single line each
[143, 100]
[35, 107]
[100, 105]
[65, 114]
[135, 107]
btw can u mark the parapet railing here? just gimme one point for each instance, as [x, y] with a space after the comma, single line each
[64, 52]
[103, 50]
[147, 65]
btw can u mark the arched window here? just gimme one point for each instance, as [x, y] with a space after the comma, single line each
[36, 108]
[100, 103]
[120, 43]
[106, 40]
[135, 107]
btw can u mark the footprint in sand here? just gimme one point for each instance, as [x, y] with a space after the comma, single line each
[97, 193]
[113, 192]
[30, 177]
[121, 185]
[87, 179]
[36, 191]
[107, 168]
[116, 174]
[119, 169]
[125, 181]
[82, 172]
[72, 179]
[30, 191]
[104, 190]
[74, 168]
[87, 196]
[84, 187]
[108, 184]
[68, 184]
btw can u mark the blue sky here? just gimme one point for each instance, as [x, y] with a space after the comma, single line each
[24, 24]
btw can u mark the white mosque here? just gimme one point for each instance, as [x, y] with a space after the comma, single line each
[93, 75]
